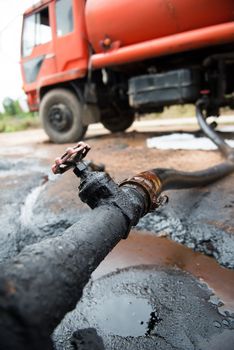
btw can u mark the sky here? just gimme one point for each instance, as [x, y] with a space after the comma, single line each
[10, 32]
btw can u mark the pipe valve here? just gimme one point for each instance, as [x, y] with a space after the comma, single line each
[70, 158]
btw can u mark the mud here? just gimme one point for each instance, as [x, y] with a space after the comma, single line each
[202, 219]
[35, 206]
[145, 248]
[13, 189]
[134, 306]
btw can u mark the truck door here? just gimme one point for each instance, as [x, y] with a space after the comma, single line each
[37, 46]
[70, 37]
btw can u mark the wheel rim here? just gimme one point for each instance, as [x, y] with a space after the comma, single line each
[60, 117]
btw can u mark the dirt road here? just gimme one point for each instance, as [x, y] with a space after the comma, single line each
[36, 204]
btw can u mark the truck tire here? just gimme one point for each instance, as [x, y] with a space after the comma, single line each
[61, 116]
[116, 122]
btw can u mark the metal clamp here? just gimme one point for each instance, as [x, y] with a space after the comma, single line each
[151, 184]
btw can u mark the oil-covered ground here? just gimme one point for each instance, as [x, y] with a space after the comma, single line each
[169, 285]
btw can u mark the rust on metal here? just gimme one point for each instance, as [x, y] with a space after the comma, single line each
[151, 184]
[70, 158]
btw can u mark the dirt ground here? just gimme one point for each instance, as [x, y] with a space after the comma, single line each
[176, 268]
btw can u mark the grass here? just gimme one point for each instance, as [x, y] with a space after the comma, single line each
[24, 121]
[18, 122]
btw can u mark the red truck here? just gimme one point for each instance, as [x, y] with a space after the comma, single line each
[88, 61]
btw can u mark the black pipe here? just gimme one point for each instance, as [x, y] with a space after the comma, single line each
[45, 281]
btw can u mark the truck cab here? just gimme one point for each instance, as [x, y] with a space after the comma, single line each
[53, 54]
[82, 63]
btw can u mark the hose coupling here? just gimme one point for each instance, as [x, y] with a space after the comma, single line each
[151, 185]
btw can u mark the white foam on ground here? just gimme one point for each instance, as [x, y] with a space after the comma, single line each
[226, 128]
[183, 141]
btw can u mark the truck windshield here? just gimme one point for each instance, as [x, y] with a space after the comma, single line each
[36, 31]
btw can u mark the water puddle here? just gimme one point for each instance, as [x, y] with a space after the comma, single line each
[148, 307]
[145, 248]
[150, 292]
[126, 316]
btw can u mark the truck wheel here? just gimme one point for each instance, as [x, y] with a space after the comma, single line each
[118, 122]
[60, 113]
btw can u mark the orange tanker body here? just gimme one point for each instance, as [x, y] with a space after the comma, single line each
[130, 22]
[88, 61]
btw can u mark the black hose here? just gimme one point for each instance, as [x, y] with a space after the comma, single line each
[172, 179]
[224, 148]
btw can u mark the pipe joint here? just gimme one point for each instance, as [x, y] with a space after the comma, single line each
[98, 188]
[151, 184]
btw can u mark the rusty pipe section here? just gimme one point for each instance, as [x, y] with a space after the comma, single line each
[151, 184]
[156, 181]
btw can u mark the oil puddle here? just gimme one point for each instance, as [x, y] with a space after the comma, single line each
[126, 316]
[147, 307]
[152, 293]
[145, 248]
